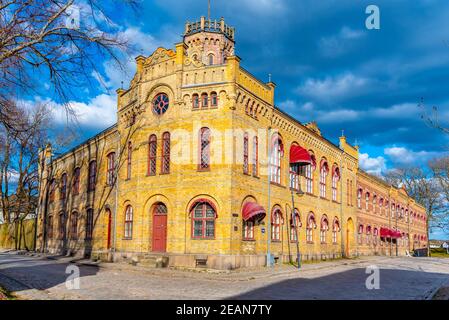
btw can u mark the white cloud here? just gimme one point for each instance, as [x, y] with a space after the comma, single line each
[99, 112]
[332, 88]
[339, 43]
[372, 165]
[403, 156]
[343, 115]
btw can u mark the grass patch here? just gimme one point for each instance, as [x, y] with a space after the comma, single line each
[439, 253]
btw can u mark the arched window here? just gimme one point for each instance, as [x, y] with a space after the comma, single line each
[276, 219]
[248, 230]
[294, 226]
[74, 225]
[309, 174]
[165, 153]
[359, 198]
[255, 157]
[367, 201]
[375, 204]
[335, 179]
[360, 234]
[62, 225]
[381, 206]
[368, 235]
[311, 224]
[335, 230]
[129, 160]
[111, 169]
[195, 101]
[324, 228]
[92, 175]
[211, 59]
[277, 152]
[294, 173]
[213, 99]
[393, 210]
[324, 169]
[204, 149]
[52, 191]
[152, 152]
[50, 227]
[204, 100]
[129, 222]
[76, 181]
[376, 235]
[89, 224]
[203, 220]
[63, 191]
[245, 154]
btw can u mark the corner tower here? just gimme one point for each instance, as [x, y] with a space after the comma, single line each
[209, 42]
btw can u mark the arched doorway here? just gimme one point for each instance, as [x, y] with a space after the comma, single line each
[109, 217]
[349, 236]
[159, 227]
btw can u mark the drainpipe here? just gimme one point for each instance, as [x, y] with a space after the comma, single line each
[341, 205]
[269, 204]
[389, 217]
[114, 238]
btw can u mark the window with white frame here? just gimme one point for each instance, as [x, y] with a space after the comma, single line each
[311, 224]
[335, 179]
[324, 169]
[323, 229]
[277, 152]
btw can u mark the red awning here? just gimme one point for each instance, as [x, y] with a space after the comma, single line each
[388, 233]
[300, 155]
[252, 210]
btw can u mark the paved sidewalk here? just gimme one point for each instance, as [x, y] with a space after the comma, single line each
[37, 277]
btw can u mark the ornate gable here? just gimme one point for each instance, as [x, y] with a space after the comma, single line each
[161, 54]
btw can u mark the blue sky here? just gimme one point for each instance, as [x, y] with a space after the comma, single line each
[327, 66]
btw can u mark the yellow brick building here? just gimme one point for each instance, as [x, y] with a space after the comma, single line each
[203, 168]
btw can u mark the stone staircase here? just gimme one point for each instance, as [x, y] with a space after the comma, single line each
[152, 260]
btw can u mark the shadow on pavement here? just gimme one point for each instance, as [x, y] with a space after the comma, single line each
[19, 273]
[350, 285]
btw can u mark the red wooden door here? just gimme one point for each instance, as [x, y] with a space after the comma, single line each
[159, 232]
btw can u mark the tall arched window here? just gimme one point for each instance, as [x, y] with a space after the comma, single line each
[213, 99]
[211, 59]
[74, 225]
[204, 100]
[381, 206]
[52, 191]
[111, 169]
[89, 224]
[203, 220]
[360, 234]
[323, 229]
[359, 198]
[294, 226]
[392, 210]
[375, 235]
[311, 224]
[204, 151]
[248, 229]
[276, 219]
[50, 227]
[368, 235]
[76, 181]
[375, 204]
[335, 230]
[129, 160]
[195, 101]
[255, 157]
[324, 169]
[129, 222]
[63, 191]
[309, 174]
[152, 152]
[277, 152]
[367, 201]
[165, 153]
[335, 179]
[245, 154]
[92, 175]
[62, 225]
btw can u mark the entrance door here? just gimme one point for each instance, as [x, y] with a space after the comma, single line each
[159, 228]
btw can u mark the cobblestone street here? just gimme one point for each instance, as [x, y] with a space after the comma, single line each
[33, 277]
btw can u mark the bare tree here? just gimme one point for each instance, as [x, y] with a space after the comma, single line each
[58, 40]
[19, 152]
[432, 117]
[440, 169]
